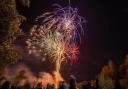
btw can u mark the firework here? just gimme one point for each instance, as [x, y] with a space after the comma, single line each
[66, 21]
[57, 35]
[73, 53]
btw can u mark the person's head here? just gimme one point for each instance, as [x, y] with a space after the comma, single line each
[60, 83]
[72, 81]
[63, 82]
[84, 83]
[53, 86]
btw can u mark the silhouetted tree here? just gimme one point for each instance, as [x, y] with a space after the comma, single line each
[123, 70]
[25, 2]
[112, 69]
[10, 21]
[105, 81]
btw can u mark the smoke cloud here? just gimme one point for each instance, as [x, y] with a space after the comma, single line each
[21, 74]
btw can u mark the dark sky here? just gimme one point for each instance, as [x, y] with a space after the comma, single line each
[106, 32]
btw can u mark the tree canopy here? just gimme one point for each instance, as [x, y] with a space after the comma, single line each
[10, 22]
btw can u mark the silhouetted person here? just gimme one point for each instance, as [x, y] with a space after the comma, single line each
[84, 85]
[72, 84]
[64, 86]
[88, 86]
[53, 86]
[97, 84]
[6, 85]
[13, 86]
[60, 85]
[49, 86]
[117, 85]
[27, 86]
[39, 86]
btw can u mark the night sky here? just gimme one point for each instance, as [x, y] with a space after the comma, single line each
[106, 35]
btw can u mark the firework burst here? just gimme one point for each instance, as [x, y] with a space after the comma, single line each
[57, 35]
